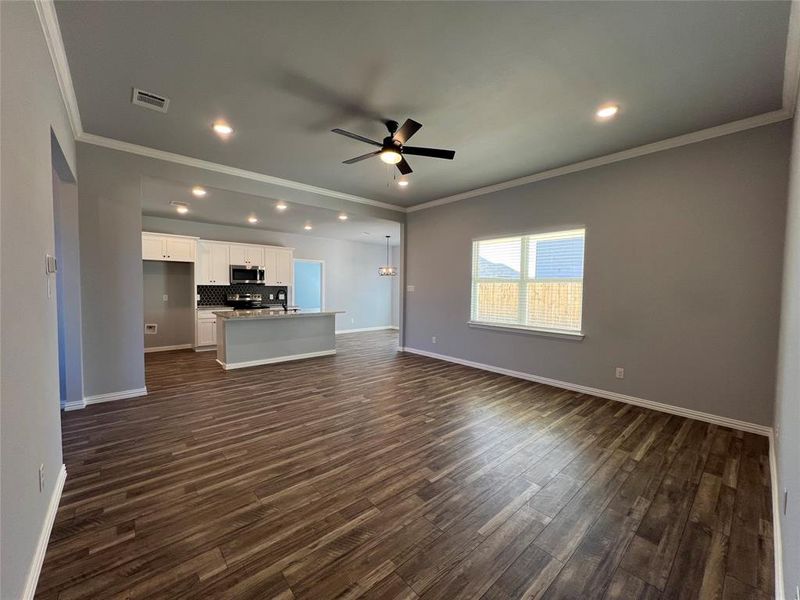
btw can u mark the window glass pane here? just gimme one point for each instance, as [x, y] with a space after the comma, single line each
[499, 259]
[549, 296]
[497, 302]
[555, 305]
[556, 258]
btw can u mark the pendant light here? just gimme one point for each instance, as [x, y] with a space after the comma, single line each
[388, 270]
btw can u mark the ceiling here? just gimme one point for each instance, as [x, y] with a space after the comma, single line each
[512, 87]
[225, 207]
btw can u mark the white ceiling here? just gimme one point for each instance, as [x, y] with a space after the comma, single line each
[225, 207]
[511, 87]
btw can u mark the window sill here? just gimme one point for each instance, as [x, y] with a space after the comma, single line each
[564, 335]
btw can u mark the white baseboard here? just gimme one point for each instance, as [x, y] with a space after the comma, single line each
[205, 348]
[776, 520]
[359, 330]
[277, 359]
[87, 400]
[44, 536]
[659, 406]
[167, 348]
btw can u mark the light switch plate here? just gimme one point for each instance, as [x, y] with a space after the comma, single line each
[51, 263]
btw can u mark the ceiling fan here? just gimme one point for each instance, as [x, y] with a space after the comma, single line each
[393, 146]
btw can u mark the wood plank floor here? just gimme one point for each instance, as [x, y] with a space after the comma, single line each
[382, 475]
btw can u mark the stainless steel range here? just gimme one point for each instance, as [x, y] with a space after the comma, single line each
[244, 300]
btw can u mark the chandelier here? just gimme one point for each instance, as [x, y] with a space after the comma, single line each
[388, 270]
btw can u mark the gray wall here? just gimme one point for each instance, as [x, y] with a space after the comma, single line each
[30, 428]
[787, 405]
[682, 274]
[175, 317]
[111, 269]
[395, 254]
[352, 283]
[68, 282]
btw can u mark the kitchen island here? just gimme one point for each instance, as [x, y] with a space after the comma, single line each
[246, 338]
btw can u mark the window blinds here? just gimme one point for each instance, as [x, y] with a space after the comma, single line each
[530, 281]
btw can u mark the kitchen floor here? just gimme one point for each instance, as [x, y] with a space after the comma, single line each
[383, 475]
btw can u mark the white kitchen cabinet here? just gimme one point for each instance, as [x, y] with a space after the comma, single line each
[206, 328]
[173, 248]
[278, 264]
[153, 247]
[213, 263]
[270, 277]
[283, 267]
[246, 254]
[181, 249]
[207, 332]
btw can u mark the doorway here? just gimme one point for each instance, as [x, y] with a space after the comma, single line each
[67, 280]
[309, 284]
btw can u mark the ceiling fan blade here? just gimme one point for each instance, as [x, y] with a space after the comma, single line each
[432, 152]
[362, 157]
[409, 128]
[404, 167]
[355, 136]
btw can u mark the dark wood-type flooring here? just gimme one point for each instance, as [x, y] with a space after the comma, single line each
[383, 475]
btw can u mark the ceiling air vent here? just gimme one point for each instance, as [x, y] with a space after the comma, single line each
[150, 100]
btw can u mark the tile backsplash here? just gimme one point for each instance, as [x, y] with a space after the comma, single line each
[215, 295]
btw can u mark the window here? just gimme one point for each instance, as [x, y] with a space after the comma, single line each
[529, 281]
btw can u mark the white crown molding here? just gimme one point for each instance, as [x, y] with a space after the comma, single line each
[607, 159]
[659, 406]
[44, 536]
[791, 86]
[97, 140]
[52, 34]
[791, 64]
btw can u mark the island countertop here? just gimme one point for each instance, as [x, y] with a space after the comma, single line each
[270, 313]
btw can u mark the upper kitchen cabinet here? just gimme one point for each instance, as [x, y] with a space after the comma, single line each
[176, 248]
[212, 263]
[246, 254]
[278, 266]
[283, 266]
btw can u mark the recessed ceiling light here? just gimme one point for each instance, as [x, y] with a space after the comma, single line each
[281, 206]
[607, 111]
[252, 219]
[222, 128]
[307, 227]
[199, 191]
[402, 182]
[343, 217]
[181, 207]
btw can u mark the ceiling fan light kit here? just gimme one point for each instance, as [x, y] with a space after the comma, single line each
[393, 146]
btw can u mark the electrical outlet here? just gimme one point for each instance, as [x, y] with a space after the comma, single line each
[433, 339]
[352, 320]
[797, 592]
[620, 373]
[150, 328]
[41, 477]
[165, 297]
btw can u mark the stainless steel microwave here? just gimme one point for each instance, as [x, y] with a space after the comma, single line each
[247, 274]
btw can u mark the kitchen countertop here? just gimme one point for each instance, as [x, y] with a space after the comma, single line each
[271, 313]
[214, 307]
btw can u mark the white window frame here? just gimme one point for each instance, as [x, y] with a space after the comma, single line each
[523, 282]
